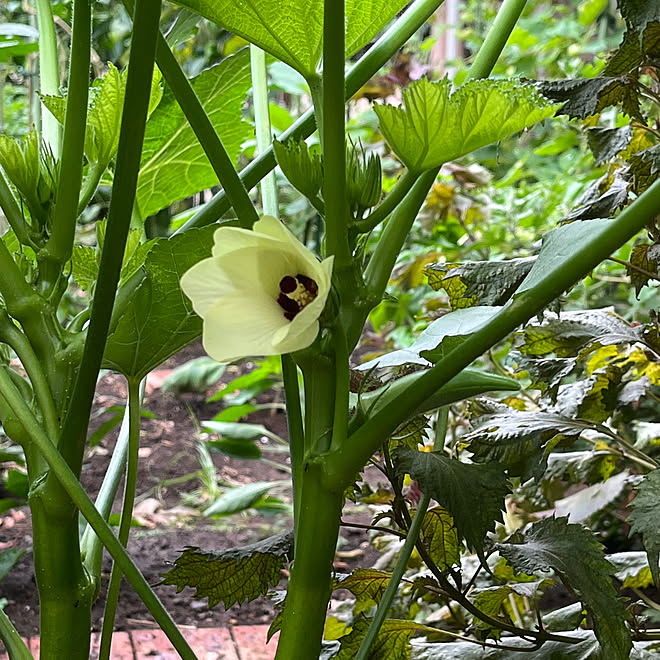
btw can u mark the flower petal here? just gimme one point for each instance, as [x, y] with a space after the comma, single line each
[204, 284]
[236, 327]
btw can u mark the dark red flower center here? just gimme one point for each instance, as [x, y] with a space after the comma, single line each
[296, 293]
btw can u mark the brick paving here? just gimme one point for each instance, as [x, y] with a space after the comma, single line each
[236, 643]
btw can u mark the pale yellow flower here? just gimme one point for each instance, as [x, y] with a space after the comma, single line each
[261, 293]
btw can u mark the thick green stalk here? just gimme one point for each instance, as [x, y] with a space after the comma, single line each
[262, 125]
[14, 645]
[343, 465]
[65, 590]
[402, 561]
[310, 584]
[498, 35]
[112, 598]
[206, 134]
[134, 116]
[388, 44]
[334, 138]
[62, 472]
[60, 244]
[49, 74]
[296, 430]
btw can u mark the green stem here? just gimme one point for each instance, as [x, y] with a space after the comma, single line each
[310, 584]
[382, 262]
[262, 125]
[60, 244]
[134, 116]
[62, 472]
[14, 645]
[388, 44]
[393, 199]
[134, 401]
[92, 548]
[206, 134]
[344, 464]
[90, 184]
[49, 74]
[296, 430]
[13, 213]
[402, 561]
[334, 139]
[506, 19]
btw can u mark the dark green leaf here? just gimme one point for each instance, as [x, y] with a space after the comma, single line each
[174, 164]
[158, 320]
[647, 258]
[479, 282]
[440, 537]
[234, 413]
[365, 584]
[643, 20]
[631, 569]
[584, 97]
[234, 448]
[596, 203]
[8, 559]
[518, 439]
[572, 332]
[392, 641]
[645, 166]
[442, 336]
[239, 498]
[573, 553]
[545, 373]
[580, 506]
[565, 618]
[606, 143]
[237, 430]
[644, 519]
[593, 398]
[196, 375]
[232, 576]
[472, 494]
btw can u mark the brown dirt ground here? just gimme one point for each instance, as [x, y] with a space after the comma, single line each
[170, 515]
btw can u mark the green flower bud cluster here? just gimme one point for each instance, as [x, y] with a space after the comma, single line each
[303, 169]
[363, 179]
[32, 170]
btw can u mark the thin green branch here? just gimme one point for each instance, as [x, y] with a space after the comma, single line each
[134, 405]
[134, 116]
[13, 213]
[382, 261]
[12, 640]
[60, 243]
[496, 39]
[343, 465]
[393, 199]
[91, 546]
[296, 430]
[62, 472]
[406, 551]
[49, 74]
[206, 134]
[12, 336]
[262, 125]
[386, 46]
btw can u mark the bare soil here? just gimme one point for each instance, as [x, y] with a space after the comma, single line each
[169, 505]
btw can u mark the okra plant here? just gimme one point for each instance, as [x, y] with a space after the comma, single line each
[237, 276]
